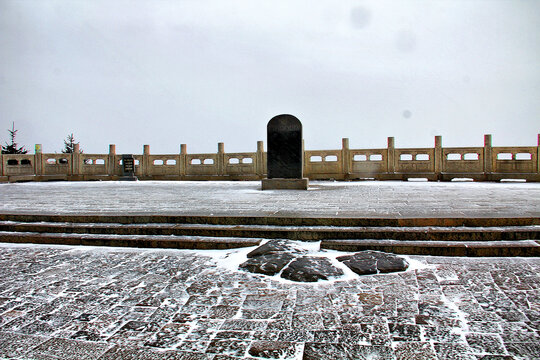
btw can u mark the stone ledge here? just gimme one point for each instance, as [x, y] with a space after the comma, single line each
[285, 184]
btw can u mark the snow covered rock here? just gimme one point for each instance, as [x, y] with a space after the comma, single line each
[310, 269]
[270, 264]
[372, 262]
[273, 247]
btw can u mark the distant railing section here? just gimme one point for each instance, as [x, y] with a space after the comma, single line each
[485, 163]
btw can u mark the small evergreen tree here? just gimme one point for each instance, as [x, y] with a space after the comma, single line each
[13, 147]
[69, 148]
[69, 145]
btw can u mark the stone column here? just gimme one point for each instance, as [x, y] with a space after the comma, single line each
[38, 160]
[183, 153]
[221, 159]
[391, 153]
[438, 157]
[488, 162]
[259, 159]
[146, 161]
[111, 169]
[2, 164]
[538, 155]
[345, 158]
[76, 161]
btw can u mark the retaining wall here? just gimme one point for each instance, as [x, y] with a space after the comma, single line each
[485, 163]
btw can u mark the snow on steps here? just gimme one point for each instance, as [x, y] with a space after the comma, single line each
[435, 236]
[140, 241]
[303, 233]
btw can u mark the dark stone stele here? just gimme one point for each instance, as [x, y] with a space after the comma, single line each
[284, 136]
[285, 156]
[128, 167]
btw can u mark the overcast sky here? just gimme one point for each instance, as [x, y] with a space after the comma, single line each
[201, 72]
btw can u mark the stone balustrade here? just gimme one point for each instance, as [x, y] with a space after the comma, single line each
[485, 163]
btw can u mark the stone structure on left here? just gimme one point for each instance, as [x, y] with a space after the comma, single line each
[128, 168]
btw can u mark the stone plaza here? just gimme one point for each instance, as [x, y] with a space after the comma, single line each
[76, 302]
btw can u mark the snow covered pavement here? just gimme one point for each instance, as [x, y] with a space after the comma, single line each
[62, 302]
[341, 199]
[67, 302]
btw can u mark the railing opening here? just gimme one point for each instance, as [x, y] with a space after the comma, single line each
[504, 156]
[234, 161]
[208, 161]
[330, 158]
[405, 157]
[315, 158]
[171, 162]
[360, 157]
[158, 162]
[12, 162]
[453, 157]
[25, 162]
[523, 156]
[247, 160]
[471, 156]
[422, 157]
[195, 161]
[375, 157]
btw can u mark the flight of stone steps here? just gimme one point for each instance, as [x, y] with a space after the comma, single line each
[420, 236]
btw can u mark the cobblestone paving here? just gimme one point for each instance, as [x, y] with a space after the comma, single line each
[324, 198]
[59, 302]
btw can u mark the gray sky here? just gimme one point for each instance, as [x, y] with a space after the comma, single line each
[200, 72]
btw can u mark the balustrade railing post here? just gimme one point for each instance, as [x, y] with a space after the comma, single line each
[259, 159]
[76, 161]
[38, 162]
[146, 161]
[391, 153]
[438, 157]
[488, 161]
[183, 153]
[221, 159]
[538, 155]
[345, 158]
[111, 168]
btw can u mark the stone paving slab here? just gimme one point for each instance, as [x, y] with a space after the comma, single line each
[331, 199]
[110, 303]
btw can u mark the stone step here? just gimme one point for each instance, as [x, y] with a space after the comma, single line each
[276, 220]
[523, 248]
[140, 241]
[303, 233]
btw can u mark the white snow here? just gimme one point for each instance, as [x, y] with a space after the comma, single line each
[325, 198]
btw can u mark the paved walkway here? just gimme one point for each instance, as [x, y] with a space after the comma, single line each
[59, 302]
[342, 199]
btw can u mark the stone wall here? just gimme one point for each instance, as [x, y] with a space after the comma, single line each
[485, 163]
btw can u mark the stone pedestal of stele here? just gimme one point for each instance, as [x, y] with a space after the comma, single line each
[285, 156]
